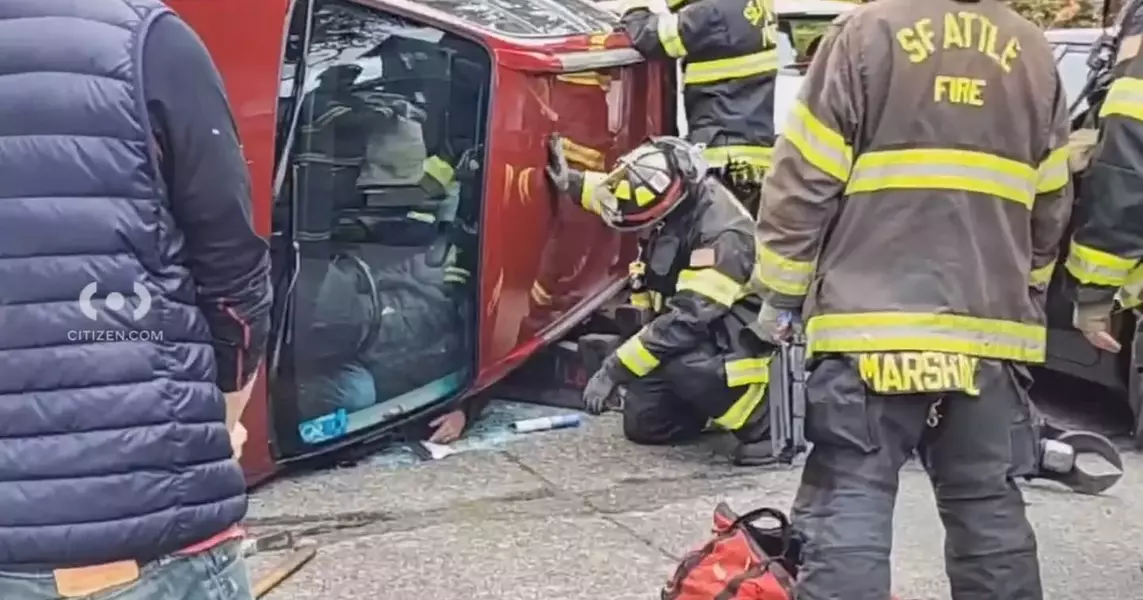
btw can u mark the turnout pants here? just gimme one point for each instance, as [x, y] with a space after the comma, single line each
[674, 402]
[970, 448]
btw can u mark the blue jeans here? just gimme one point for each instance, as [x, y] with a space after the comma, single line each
[217, 574]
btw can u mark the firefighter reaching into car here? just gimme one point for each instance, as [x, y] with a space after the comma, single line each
[912, 214]
[730, 59]
[695, 361]
[1107, 245]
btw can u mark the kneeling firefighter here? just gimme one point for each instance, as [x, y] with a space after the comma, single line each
[695, 361]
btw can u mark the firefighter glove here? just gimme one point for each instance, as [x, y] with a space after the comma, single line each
[773, 324]
[1094, 321]
[558, 171]
[599, 389]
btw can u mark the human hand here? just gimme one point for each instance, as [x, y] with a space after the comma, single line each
[774, 324]
[238, 437]
[1094, 321]
[598, 390]
[448, 427]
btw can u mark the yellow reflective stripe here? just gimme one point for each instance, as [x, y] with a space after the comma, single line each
[739, 413]
[423, 217]
[745, 371]
[755, 156]
[590, 78]
[591, 180]
[1096, 267]
[1042, 276]
[331, 114]
[635, 356]
[439, 170]
[539, 295]
[710, 283]
[456, 274]
[783, 275]
[643, 195]
[669, 35]
[649, 299]
[673, 4]
[1053, 173]
[726, 69]
[1125, 98]
[577, 153]
[920, 332]
[1131, 294]
[944, 169]
[822, 147]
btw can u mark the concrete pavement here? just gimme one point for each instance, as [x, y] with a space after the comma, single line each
[583, 515]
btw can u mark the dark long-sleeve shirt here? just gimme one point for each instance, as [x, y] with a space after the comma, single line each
[208, 186]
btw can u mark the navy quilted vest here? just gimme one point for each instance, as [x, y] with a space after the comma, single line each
[113, 442]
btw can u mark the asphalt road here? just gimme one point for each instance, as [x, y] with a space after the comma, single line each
[581, 514]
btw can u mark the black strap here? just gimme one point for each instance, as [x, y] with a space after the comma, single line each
[758, 513]
[785, 531]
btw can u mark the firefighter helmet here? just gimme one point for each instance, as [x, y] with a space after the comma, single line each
[648, 183]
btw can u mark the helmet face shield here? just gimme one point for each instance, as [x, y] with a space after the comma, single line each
[641, 190]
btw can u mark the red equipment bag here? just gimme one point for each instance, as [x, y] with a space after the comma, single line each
[742, 562]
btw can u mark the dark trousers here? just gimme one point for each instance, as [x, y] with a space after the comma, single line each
[674, 402]
[849, 484]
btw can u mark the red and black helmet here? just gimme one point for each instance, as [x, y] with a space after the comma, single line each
[648, 183]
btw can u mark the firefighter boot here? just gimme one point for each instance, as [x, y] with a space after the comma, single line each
[754, 448]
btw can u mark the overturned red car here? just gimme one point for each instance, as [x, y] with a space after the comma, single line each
[397, 155]
[397, 151]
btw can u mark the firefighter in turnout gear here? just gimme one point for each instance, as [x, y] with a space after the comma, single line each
[695, 362]
[912, 216]
[1107, 246]
[728, 49]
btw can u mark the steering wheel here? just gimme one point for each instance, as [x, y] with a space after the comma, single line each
[376, 310]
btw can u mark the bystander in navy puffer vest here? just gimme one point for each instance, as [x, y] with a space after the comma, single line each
[113, 443]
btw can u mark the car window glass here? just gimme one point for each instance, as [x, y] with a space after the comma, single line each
[385, 190]
[1073, 68]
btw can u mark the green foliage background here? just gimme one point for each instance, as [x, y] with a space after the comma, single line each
[1060, 13]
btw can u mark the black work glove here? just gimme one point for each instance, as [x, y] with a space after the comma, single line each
[599, 389]
[558, 171]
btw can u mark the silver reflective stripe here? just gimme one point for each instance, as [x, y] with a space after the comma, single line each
[865, 177]
[745, 371]
[1089, 272]
[812, 139]
[1125, 98]
[591, 60]
[726, 69]
[934, 337]
[322, 159]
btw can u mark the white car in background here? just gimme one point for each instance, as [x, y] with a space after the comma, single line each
[801, 24]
